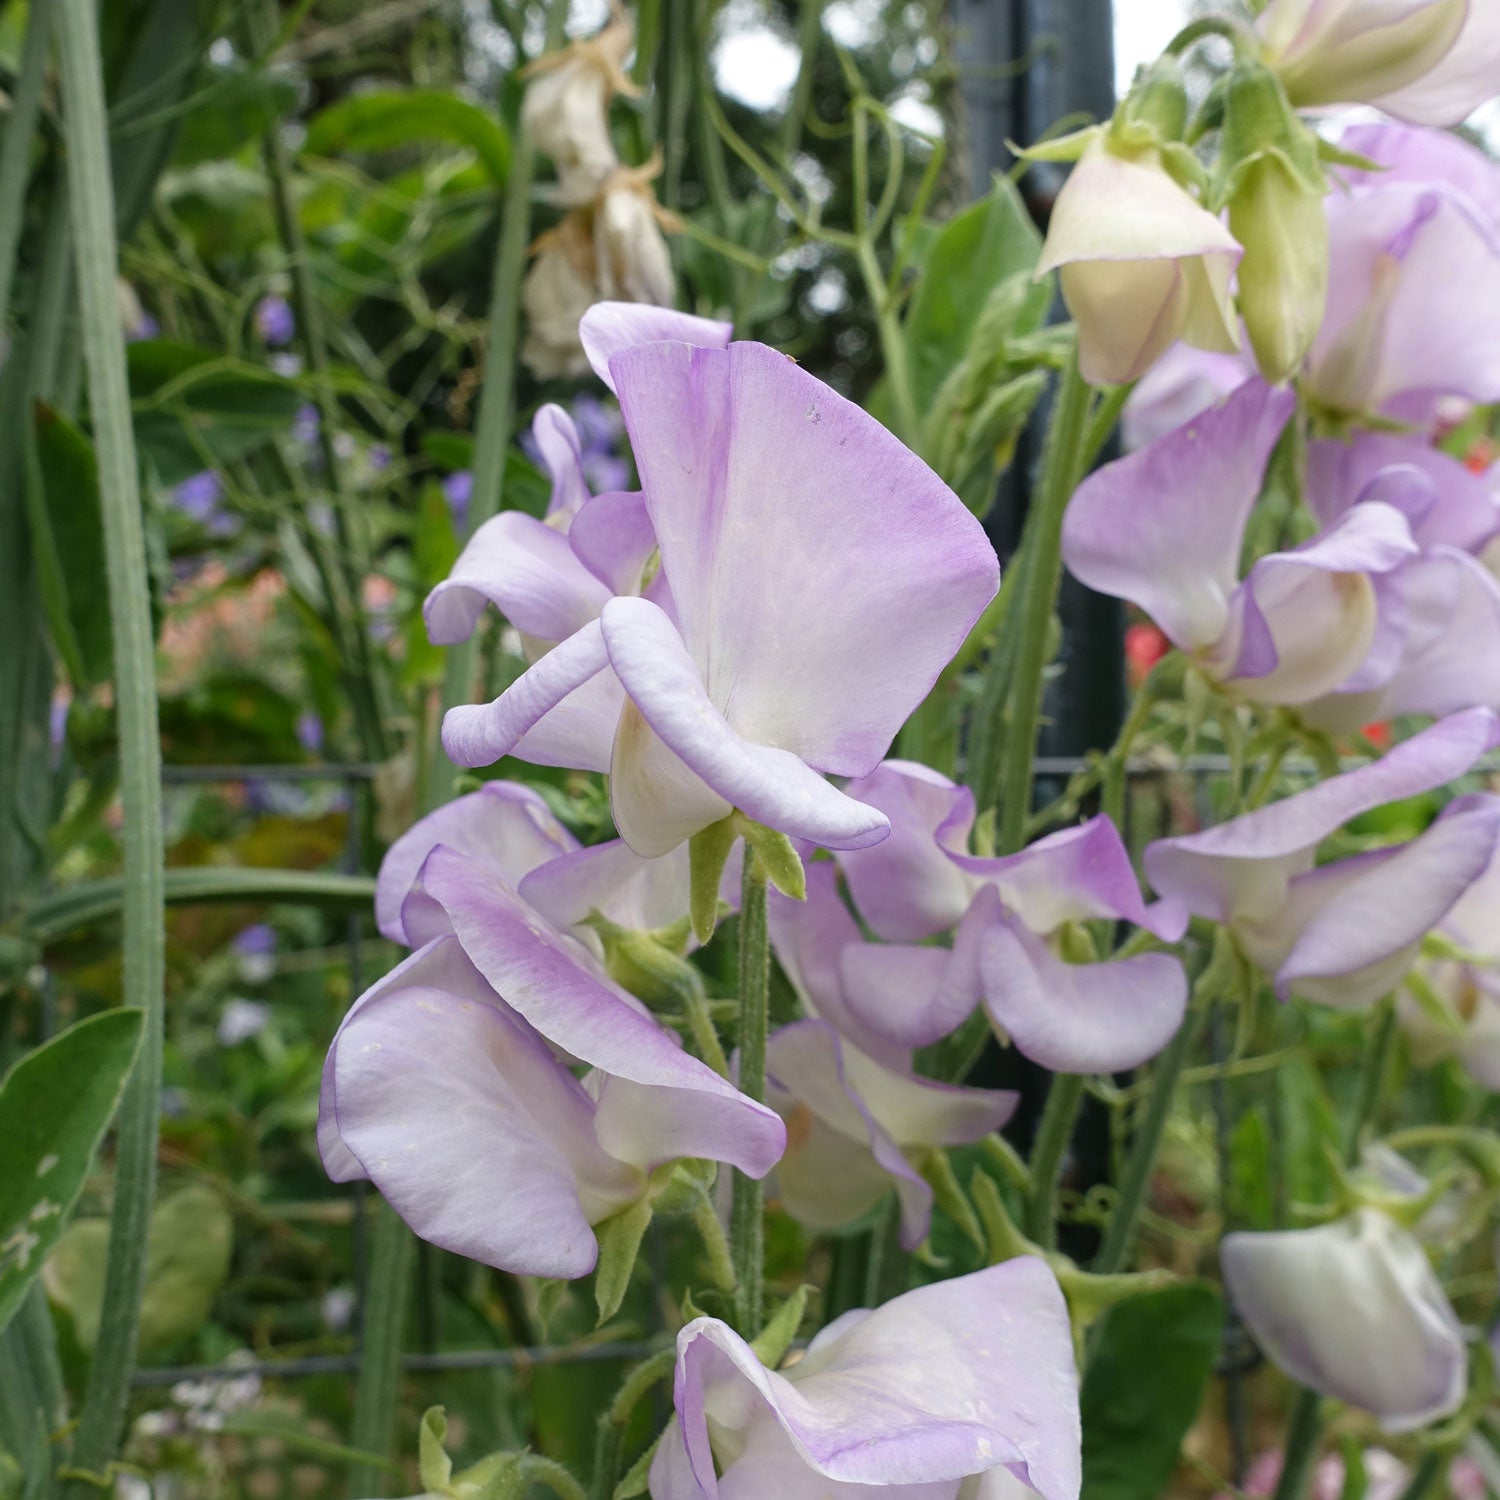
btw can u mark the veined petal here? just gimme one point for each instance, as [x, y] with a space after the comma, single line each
[1241, 868]
[823, 575]
[771, 785]
[1163, 527]
[908, 886]
[527, 570]
[504, 825]
[952, 1379]
[1080, 1018]
[554, 713]
[554, 984]
[608, 327]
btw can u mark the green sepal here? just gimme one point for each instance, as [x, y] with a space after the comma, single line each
[1259, 122]
[1076, 944]
[1060, 148]
[778, 857]
[433, 1463]
[1002, 1239]
[1155, 107]
[937, 1171]
[620, 1238]
[638, 1476]
[1331, 154]
[1089, 1296]
[985, 836]
[500, 1476]
[772, 1342]
[708, 853]
[642, 964]
[1434, 1008]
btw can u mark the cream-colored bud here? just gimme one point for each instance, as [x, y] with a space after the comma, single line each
[559, 288]
[630, 249]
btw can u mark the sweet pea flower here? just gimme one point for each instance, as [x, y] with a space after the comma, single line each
[1450, 1006]
[966, 1388]
[859, 1119]
[1016, 921]
[1353, 1310]
[1163, 528]
[1432, 62]
[1142, 263]
[815, 578]
[1346, 932]
[481, 1137]
[274, 320]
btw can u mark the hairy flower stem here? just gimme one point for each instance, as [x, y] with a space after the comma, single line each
[610, 1438]
[1041, 557]
[1307, 1417]
[746, 1231]
[91, 196]
[1059, 1115]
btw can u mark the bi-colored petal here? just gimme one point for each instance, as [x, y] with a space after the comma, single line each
[770, 784]
[609, 327]
[953, 1379]
[1353, 1310]
[823, 575]
[555, 985]
[1080, 1018]
[505, 826]
[560, 712]
[1457, 85]
[1163, 527]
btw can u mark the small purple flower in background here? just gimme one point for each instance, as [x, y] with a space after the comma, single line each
[458, 491]
[379, 457]
[200, 497]
[274, 321]
[306, 425]
[310, 731]
[147, 328]
[256, 949]
[240, 1020]
[599, 432]
[57, 726]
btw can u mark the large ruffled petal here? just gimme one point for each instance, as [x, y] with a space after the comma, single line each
[823, 575]
[560, 712]
[505, 826]
[608, 327]
[1079, 1018]
[769, 784]
[949, 1380]
[476, 1135]
[555, 985]
[1163, 527]
[1353, 1310]
[1240, 868]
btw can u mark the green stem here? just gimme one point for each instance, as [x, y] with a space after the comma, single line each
[892, 342]
[746, 1231]
[1102, 421]
[549, 1472]
[1059, 1115]
[1300, 1455]
[91, 195]
[610, 1438]
[1428, 1470]
[392, 1252]
[1377, 1058]
[1041, 556]
[20, 129]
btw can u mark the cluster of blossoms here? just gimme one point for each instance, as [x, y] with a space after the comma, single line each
[544, 1072]
[608, 246]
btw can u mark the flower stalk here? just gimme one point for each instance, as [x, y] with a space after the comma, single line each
[746, 1229]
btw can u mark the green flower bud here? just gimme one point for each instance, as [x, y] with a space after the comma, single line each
[1154, 112]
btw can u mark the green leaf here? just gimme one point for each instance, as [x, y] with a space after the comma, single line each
[392, 118]
[187, 1261]
[974, 253]
[55, 1106]
[235, 106]
[1150, 1362]
[620, 1238]
[1250, 1171]
[67, 537]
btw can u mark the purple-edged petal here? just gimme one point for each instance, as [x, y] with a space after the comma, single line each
[476, 1135]
[527, 570]
[907, 887]
[1162, 527]
[823, 575]
[1465, 78]
[1183, 383]
[771, 785]
[950, 1380]
[503, 825]
[609, 327]
[1460, 509]
[1403, 154]
[1357, 923]
[1240, 868]
[557, 713]
[1305, 622]
[612, 537]
[1080, 1018]
[1353, 1310]
[556, 439]
[554, 984]
[909, 994]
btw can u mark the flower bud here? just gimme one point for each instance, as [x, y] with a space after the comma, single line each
[1274, 186]
[1353, 1310]
[629, 248]
[558, 290]
[1143, 263]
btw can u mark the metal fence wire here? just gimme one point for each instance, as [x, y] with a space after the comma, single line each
[1239, 1356]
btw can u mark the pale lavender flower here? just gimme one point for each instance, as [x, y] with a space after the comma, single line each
[200, 498]
[310, 731]
[274, 321]
[772, 499]
[458, 491]
[240, 1020]
[967, 1381]
[255, 947]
